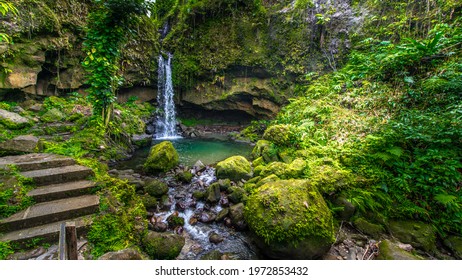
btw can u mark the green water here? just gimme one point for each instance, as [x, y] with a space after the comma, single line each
[209, 151]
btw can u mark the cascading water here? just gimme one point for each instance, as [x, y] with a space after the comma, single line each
[166, 116]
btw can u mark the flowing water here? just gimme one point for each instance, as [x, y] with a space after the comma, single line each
[166, 116]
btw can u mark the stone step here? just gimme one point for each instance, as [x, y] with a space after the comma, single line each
[58, 175]
[47, 233]
[31, 162]
[60, 191]
[49, 212]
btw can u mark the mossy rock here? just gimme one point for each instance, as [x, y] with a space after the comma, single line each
[213, 194]
[156, 188]
[293, 170]
[290, 219]
[268, 179]
[283, 135]
[175, 221]
[330, 179]
[185, 176]
[454, 243]
[149, 202]
[225, 184]
[13, 121]
[163, 246]
[369, 228]
[266, 150]
[53, 115]
[162, 157]
[234, 168]
[237, 194]
[258, 161]
[257, 170]
[348, 209]
[199, 194]
[418, 234]
[391, 251]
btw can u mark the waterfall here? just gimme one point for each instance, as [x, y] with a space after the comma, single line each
[166, 119]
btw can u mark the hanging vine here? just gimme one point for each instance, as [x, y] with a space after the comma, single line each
[106, 34]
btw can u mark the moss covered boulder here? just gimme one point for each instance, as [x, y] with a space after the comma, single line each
[12, 120]
[418, 234]
[454, 243]
[290, 219]
[156, 188]
[391, 251]
[163, 246]
[281, 134]
[293, 170]
[266, 150]
[369, 228]
[234, 168]
[162, 157]
[53, 115]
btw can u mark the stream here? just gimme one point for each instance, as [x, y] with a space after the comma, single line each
[199, 216]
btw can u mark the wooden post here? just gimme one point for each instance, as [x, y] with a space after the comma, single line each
[71, 241]
[62, 243]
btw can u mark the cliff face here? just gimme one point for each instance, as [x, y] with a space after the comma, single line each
[231, 55]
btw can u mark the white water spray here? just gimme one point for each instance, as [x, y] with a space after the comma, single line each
[166, 116]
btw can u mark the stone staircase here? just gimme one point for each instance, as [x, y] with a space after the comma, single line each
[62, 194]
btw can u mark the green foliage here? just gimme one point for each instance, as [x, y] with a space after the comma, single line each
[5, 250]
[107, 26]
[5, 8]
[121, 223]
[13, 192]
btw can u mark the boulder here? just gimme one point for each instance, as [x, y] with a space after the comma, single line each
[21, 144]
[454, 243]
[236, 194]
[236, 213]
[149, 202]
[369, 228]
[266, 150]
[281, 134]
[184, 176]
[156, 188]
[125, 254]
[13, 120]
[293, 170]
[348, 209]
[162, 157]
[290, 219]
[391, 251]
[215, 238]
[234, 168]
[53, 115]
[163, 246]
[213, 194]
[418, 234]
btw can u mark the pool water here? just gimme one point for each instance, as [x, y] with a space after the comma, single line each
[209, 151]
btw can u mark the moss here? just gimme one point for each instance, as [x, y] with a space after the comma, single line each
[175, 221]
[418, 234]
[258, 161]
[391, 251]
[237, 194]
[199, 195]
[454, 243]
[163, 246]
[162, 157]
[283, 135]
[149, 202]
[234, 168]
[293, 170]
[369, 228]
[213, 194]
[265, 149]
[156, 188]
[329, 179]
[270, 178]
[185, 176]
[289, 211]
[257, 170]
